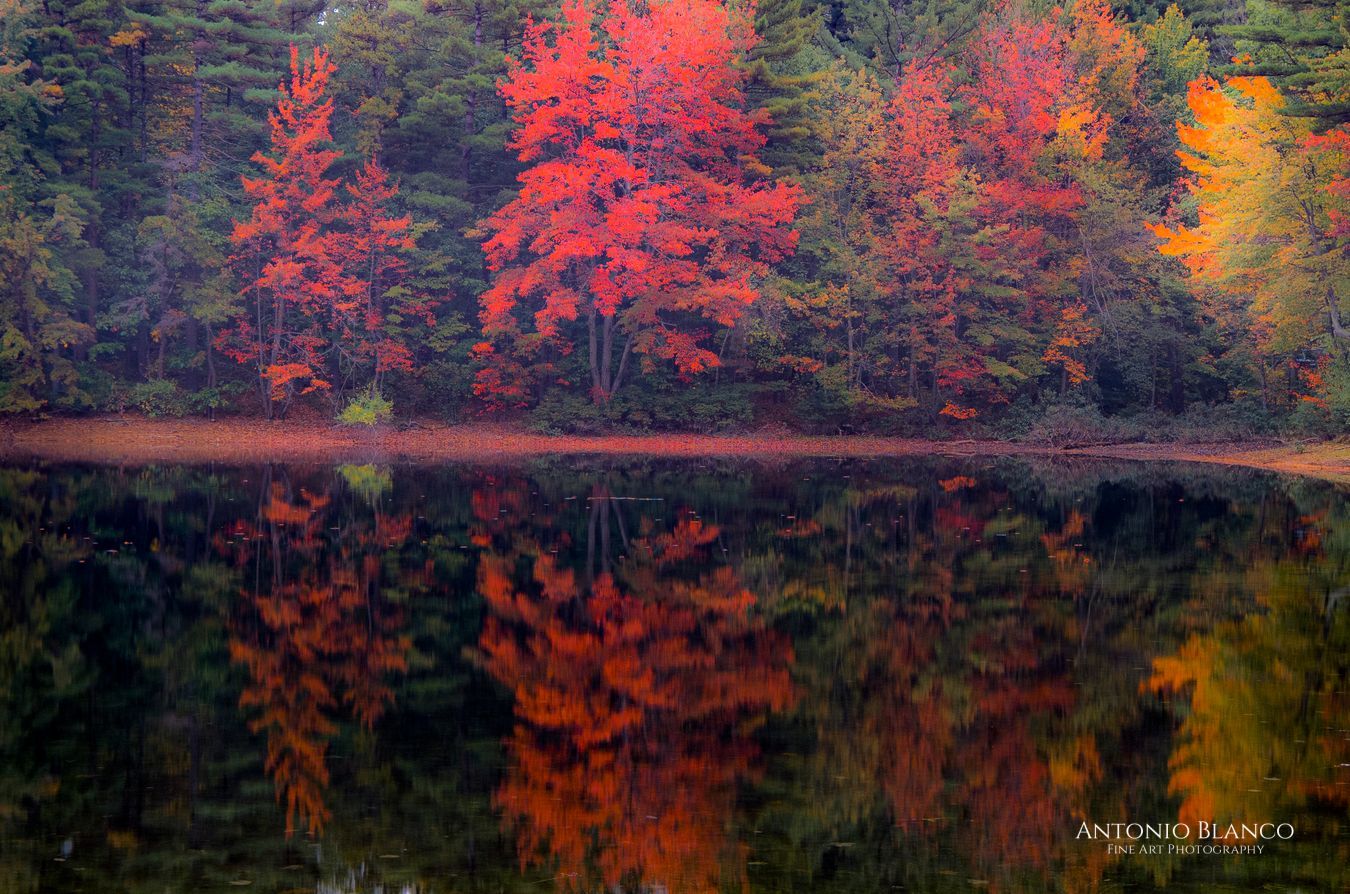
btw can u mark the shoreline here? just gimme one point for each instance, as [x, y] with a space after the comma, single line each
[117, 440]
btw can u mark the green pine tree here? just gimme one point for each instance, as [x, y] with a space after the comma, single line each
[1304, 47]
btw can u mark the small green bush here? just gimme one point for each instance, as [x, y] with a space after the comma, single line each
[161, 397]
[561, 412]
[207, 400]
[370, 409]
[1337, 379]
[1239, 420]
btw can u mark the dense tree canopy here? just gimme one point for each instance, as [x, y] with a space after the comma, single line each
[978, 216]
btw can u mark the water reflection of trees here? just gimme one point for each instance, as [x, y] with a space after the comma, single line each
[823, 677]
[941, 707]
[974, 667]
[639, 680]
[319, 630]
[1262, 704]
[126, 758]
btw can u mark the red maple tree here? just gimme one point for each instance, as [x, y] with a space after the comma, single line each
[923, 180]
[1033, 115]
[283, 249]
[638, 221]
[372, 250]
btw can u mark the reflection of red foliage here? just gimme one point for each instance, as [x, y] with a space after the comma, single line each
[917, 731]
[965, 753]
[634, 700]
[319, 636]
[1015, 810]
[958, 482]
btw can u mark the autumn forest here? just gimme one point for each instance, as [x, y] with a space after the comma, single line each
[993, 217]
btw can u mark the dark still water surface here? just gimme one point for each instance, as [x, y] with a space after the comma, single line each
[670, 677]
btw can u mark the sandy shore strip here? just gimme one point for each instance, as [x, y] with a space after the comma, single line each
[128, 440]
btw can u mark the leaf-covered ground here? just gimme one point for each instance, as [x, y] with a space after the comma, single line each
[134, 440]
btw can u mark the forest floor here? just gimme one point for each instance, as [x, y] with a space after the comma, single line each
[132, 439]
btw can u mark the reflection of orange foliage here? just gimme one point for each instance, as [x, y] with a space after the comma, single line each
[959, 482]
[1014, 806]
[1191, 669]
[1072, 567]
[917, 729]
[1308, 533]
[958, 520]
[801, 528]
[281, 512]
[1279, 669]
[318, 636]
[635, 699]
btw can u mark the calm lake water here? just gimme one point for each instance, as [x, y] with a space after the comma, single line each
[670, 677]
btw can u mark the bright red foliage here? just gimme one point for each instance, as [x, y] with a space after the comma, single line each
[1024, 91]
[922, 179]
[1035, 118]
[637, 213]
[371, 250]
[324, 280]
[283, 249]
[1333, 147]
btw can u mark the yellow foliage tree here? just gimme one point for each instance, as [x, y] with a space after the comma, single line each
[1265, 247]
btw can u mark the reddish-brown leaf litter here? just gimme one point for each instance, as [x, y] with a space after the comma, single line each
[117, 440]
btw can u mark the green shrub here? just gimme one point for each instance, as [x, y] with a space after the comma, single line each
[442, 388]
[1337, 379]
[204, 400]
[161, 397]
[1311, 420]
[370, 409]
[1239, 420]
[562, 412]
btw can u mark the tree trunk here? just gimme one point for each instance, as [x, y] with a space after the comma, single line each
[89, 275]
[278, 320]
[1337, 330]
[211, 369]
[593, 344]
[605, 379]
[145, 109]
[1265, 387]
[191, 335]
[849, 365]
[159, 354]
[471, 101]
[607, 359]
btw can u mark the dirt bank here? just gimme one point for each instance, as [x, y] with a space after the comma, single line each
[119, 440]
[1326, 460]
